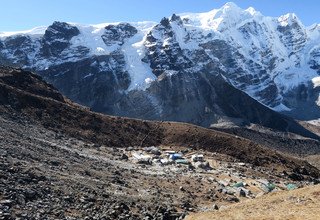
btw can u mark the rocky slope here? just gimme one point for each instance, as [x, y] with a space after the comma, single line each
[59, 160]
[182, 68]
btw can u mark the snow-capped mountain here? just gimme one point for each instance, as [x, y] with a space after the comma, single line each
[181, 68]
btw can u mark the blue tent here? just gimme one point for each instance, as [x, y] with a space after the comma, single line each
[175, 156]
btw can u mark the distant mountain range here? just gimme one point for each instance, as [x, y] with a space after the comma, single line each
[226, 66]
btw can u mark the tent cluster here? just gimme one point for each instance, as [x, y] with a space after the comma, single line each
[154, 155]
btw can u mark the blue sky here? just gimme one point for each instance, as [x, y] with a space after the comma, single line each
[26, 14]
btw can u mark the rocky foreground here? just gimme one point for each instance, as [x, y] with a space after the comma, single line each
[58, 160]
[47, 175]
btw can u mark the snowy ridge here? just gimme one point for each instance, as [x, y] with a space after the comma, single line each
[38, 31]
[252, 34]
[266, 57]
[90, 36]
[220, 19]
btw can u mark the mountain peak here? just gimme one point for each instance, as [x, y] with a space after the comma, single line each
[253, 11]
[289, 19]
[231, 8]
[230, 5]
[223, 18]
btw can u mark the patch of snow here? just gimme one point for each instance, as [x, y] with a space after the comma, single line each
[181, 37]
[318, 100]
[281, 108]
[288, 19]
[313, 32]
[100, 50]
[171, 72]
[90, 37]
[33, 32]
[294, 76]
[252, 11]
[144, 27]
[42, 64]
[316, 81]
[219, 19]
[314, 122]
[140, 73]
[148, 81]
[88, 75]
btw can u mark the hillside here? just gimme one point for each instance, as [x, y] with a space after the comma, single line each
[297, 204]
[40, 102]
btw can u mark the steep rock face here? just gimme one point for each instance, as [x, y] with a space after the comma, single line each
[292, 33]
[163, 50]
[90, 82]
[174, 69]
[117, 34]
[314, 61]
[18, 50]
[57, 38]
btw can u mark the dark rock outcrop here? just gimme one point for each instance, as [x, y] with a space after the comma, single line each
[117, 34]
[56, 38]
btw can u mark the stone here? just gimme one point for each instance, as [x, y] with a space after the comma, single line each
[233, 199]
[202, 165]
[6, 202]
[124, 157]
[229, 191]
[242, 193]
[21, 199]
[3, 153]
[68, 199]
[30, 195]
[296, 177]
[215, 207]
[55, 163]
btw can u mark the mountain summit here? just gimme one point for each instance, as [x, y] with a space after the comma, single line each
[184, 68]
